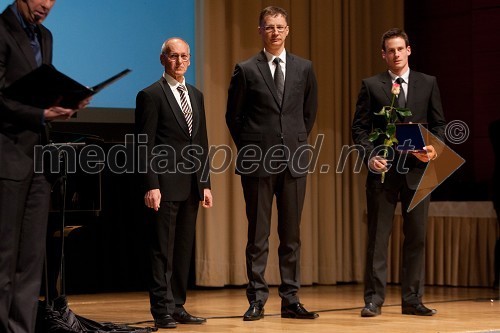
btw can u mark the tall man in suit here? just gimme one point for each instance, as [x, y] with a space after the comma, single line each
[494, 134]
[171, 114]
[271, 109]
[423, 99]
[24, 195]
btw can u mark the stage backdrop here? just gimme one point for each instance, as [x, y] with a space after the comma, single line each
[94, 39]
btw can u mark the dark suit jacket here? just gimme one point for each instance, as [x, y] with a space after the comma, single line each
[494, 134]
[256, 120]
[423, 100]
[159, 116]
[20, 125]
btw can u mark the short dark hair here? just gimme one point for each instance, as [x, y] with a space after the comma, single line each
[393, 33]
[272, 11]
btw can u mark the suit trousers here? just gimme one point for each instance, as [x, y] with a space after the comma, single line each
[259, 193]
[381, 203]
[24, 209]
[171, 243]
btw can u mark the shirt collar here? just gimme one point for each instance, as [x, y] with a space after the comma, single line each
[405, 76]
[25, 25]
[271, 57]
[173, 83]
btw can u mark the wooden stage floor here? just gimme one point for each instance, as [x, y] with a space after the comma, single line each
[459, 310]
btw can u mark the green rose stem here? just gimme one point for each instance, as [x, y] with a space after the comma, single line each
[391, 115]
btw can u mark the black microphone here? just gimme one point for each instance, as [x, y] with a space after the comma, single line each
[33, 16]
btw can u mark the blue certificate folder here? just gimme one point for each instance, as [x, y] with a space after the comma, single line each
[410, 137]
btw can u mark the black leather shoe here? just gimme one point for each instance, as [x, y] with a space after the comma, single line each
[183, 317]
[417, 310]
[371, 310]
[297, 311]
[165, 322]
[254, 312]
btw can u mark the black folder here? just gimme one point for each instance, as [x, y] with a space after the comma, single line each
[46, 86]
[410, 137]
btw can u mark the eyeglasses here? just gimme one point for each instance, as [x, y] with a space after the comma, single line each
[271, 28]
[174, 56]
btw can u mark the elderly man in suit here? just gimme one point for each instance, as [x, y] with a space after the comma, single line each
[171, 114]
[25, 44]
[421, 95]
[271, 108]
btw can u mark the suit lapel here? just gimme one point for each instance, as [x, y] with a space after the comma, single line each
[194, 108]
[386, 86]
[20, 37]
[291, 75]
[412, 92]
[174, 106]
[263, 67]
[46, 49]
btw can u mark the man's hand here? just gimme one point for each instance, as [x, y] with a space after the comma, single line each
[152, 199]
[84, 103]
[377, 164]
[57, 112]
[429, 154]
[207, 198]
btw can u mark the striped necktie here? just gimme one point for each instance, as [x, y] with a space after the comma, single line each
[186, 109]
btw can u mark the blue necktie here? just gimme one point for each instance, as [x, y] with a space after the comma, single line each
[35, 44]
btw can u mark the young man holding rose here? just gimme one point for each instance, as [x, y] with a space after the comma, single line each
[424, 102]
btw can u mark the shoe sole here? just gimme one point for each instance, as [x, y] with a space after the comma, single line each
[412, 313]
[252, 318]
[368, 314]
[166, 326]
[292, 316]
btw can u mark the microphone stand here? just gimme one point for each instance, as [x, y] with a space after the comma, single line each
[64, 180]
[59, 317]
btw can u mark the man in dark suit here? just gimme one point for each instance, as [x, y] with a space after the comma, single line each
[177, 178]
[494, 134]
[24, 195]
[423, 99]
[271, 109]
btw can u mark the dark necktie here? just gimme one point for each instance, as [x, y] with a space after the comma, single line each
[35, 44]
[186, 109]
[401, 96]
[279, 79]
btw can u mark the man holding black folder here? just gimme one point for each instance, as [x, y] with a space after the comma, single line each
[420, 94]
[25, 44]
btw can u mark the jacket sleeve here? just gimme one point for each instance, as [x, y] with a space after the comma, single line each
[146, 121]
[235, 113]
[310, 100]
[435, 115]
[363, 120]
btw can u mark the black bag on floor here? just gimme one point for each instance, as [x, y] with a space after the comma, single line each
[57, 317]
